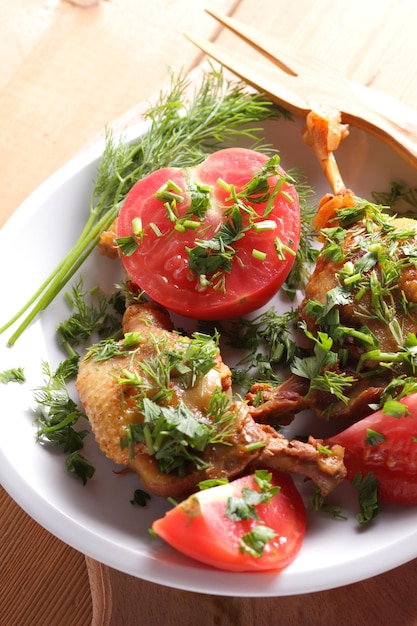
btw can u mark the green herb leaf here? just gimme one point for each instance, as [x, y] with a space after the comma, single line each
[373, 438]
[244, 507]
[93, 311]
[367, 488]
[254, 542]
[395, 408]
[212, 482]
[57, 415]
[140, 498]
[15, 375]
[80, 466]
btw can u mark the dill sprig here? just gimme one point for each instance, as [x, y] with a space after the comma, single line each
[398, 193]
[307, 251]
[92, 311]
[268, 344]
[183, 129]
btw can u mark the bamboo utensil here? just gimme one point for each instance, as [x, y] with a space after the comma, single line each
[300, 84]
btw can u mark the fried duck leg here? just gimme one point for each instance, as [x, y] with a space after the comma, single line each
[378, 299]
[111, 403]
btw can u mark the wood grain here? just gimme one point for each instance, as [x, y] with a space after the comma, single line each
[66, 73]
[374, 601]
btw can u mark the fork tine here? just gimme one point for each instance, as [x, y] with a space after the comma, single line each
[268, 79]
[286, 59]
[316, 71]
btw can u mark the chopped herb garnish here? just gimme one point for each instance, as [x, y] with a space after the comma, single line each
[317, 368]
[80, 466]
[212, 258]
[175, 436]
[318, 503]
[268, 343]
[399, 192]
[254, 542]
[15, 375]
[395, 409]
[57, 416]
[140, 498]
[368, 491]
[93, 312]
[373, 438]
[244, 507]
[212, 482]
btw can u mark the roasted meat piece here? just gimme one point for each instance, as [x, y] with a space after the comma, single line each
[362, 295]
[127, 390]
[373, 278]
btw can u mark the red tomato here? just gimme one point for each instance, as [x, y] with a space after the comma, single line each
[200, 528]
[387, 446]
[161, 263]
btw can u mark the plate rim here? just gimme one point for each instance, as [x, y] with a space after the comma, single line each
[78, 163]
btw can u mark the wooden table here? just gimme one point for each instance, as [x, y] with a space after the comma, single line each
[65, 73]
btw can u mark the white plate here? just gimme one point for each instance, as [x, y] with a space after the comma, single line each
[99, 520]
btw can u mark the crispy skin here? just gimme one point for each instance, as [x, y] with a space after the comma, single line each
[325, 277]
[323, 133]
[107, 245]
[282, 403]
[325, 470]
[111, 407]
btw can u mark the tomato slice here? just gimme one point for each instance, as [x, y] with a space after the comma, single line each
[200, 528]
[174, 223]
[387, 446]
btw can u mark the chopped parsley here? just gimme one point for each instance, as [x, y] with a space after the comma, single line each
[57, 416]
[244, 507]
[80, 466]
[373, 438]
[175, 436]
[140, 498]
[254, 542]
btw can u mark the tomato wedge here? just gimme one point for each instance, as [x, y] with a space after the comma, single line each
[200, 528]
[214, 241]
[386, 446]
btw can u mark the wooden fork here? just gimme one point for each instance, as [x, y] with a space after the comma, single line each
[300, 83]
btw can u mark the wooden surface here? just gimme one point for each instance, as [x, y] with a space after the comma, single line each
[65, 73]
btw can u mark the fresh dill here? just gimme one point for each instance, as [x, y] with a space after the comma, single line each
[268, 342]
[182, 130]
[307, 250]
[398, 193]
[92, 312]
